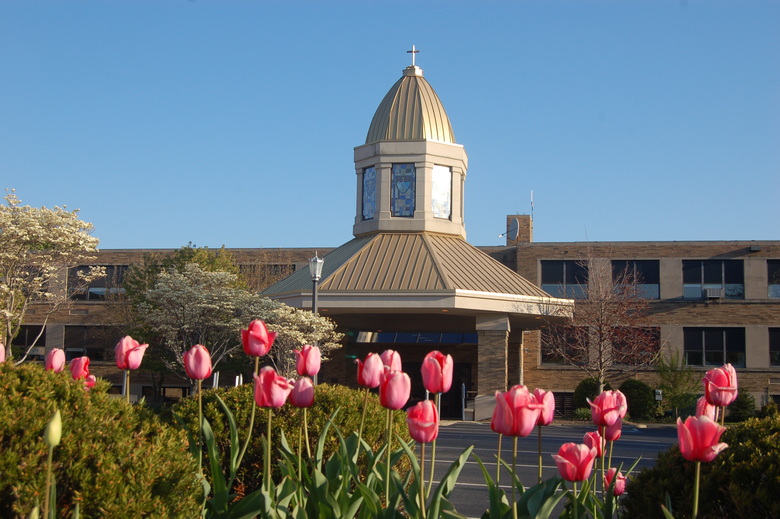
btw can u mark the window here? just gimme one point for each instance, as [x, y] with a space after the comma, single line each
[98, 289]
[441, 192]
[714, 346]
[403, 184]
[773, 278]
[713, 279]
[369, 193]
[97, 342]
[563, 345]
[26, 337]
[774, 346]
[564, 278]
[635, 346]
[646, 273]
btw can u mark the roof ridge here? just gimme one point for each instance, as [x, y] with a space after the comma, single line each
[440, 269]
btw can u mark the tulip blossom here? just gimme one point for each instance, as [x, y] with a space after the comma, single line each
[129, 353]
[307, 361]
[197, 362]
[593, 440]
[613, 432]
[699, 438]
[392, 360]
[547, 400]
[2, 352]
[620, 481]
[55, 360]
[720, 385]
[606, 408]
[79, 368]
[394, 389]
[704, 408]
[369, 372]
[423, 421]
[575, 461]
[437, 372]
[256, 339]
[90, 381]
[516, 412]
[271, 389]
[302, 393]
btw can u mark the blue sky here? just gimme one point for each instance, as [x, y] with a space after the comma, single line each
[234, 122]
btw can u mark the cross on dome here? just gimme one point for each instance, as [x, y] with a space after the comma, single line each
[413, 52]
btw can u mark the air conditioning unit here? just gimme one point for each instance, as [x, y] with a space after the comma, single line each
[713, 293]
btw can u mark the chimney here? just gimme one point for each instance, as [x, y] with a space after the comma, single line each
[519, 229]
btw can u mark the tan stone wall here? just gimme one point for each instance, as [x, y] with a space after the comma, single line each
[492, 361]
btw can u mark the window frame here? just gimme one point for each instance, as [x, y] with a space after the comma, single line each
[715, 345]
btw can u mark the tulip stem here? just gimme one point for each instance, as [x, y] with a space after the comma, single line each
[423, 499]
[127, 386]
[498, 459]
[576, 501]
[611, 444]
[539, 448]
[306, 430]
[363, 417]
[251, 426]
[389, 445]
[514, 476]
[267, 480]
[602, 445]
[696, 490]
[48, 483]
[200, 427]
[433, 449]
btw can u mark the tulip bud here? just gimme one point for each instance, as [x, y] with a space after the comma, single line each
[55, 360]
[197, 362]
[369, 373]
[391, 359]
[308, 361]
[437, 372]
[53, 432]
[256, 339]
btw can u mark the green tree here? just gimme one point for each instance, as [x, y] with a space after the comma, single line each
[38, 245]
[679, 382]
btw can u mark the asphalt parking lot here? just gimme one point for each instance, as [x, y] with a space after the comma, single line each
[470, 496]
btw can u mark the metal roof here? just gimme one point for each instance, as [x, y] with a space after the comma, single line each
[410, 111]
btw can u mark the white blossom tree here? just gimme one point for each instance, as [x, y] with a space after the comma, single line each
[196, 306]
[37, 246]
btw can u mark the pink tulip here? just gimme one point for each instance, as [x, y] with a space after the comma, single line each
[79, 368]
[197, 362]
[593, 440]
[256, 339]
[2, 352]
[699, 437]
[391, 359]
[613, 432]
[271, 389]
[704, 408]
[437, 372]
[369, 373]
[547, 399]
[574, 461]
[394, 389]
[308, 361]
[606, 408]
[302, 394]
[90, 381]
[620, 482]
[55, 360]
[129, 353]
[423, 421]
[720, 385]
[516, 412]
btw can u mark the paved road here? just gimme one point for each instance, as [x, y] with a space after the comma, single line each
[470, 495]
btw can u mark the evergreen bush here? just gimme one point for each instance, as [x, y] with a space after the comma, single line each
[640, 398]
[288, 419]
[742, 482]
[742, 408]
[115, 460]
[587, 388]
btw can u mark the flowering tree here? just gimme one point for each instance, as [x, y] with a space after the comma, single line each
[198, 306]
[608, 331]
[37, 246]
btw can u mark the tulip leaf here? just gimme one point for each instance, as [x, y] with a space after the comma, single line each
[235, 447]
[219, 502]
[497, 503]
[447, 484]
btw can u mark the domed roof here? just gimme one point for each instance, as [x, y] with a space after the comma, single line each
[411, 111]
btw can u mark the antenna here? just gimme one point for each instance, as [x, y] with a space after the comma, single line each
[532, 205]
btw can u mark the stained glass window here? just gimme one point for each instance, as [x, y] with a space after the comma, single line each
[441, 192]
[403, 183]
[369, 193]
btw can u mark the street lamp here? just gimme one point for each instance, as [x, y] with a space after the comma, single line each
[315, 269]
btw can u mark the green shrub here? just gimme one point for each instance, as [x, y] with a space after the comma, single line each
[587, 388]
[742, 408]
[288, 419]
[640, 398]
[583, 413]
[742, 482]
[768, 410]
[115, 460]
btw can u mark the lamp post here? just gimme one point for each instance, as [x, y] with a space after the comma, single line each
[315, 269]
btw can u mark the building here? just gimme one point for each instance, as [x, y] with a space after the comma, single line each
[409, 281]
